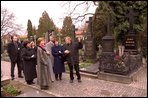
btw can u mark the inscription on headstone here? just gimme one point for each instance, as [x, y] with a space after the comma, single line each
[130, 42]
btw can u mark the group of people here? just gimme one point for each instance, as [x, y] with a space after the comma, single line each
[44, 61]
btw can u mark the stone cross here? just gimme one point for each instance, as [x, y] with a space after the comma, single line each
[131, 15]
[109, 23]
[89, 25]
[73, 31]
[48, 34]
[35, 40]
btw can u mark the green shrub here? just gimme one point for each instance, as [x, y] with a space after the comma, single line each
[10, 89]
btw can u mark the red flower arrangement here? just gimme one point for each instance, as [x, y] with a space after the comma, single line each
[120, 60]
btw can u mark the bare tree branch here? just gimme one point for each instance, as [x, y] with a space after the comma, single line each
[8, 24]
[76, 7]
[79, 17]
[83, 16]
[65, 3]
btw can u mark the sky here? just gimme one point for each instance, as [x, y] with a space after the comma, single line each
[24, 10]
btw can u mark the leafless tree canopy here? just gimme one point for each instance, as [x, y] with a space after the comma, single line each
[73, 6]
[8, 25]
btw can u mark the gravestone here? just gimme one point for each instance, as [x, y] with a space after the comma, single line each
[90, 50]
[73, 32]
[107, 57]
[48, 34]
[130, 39]
[131, 44]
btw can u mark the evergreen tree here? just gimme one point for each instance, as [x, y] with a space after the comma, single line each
[34, 31]
[67, 27]
[45, 23]
[29, 28]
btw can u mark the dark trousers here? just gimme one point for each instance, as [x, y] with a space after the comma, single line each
[58, 75]
[76, 67]
[19, 67]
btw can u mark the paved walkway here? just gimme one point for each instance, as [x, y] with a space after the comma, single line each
[90, 87]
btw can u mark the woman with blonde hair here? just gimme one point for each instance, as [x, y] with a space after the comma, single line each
[42, 65]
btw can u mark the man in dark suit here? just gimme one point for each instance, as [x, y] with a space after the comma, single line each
[14, 52]
[71, 50]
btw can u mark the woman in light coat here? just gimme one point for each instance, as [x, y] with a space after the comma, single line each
[43, 76]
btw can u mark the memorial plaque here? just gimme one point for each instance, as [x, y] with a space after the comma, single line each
[130, 44]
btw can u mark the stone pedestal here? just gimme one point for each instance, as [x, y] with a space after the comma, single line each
[108, 44]
[107, 61]
[90, 51]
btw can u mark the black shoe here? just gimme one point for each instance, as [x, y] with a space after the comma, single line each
[79, 80]
[20, 76]
[44, 87]
[12, 78]
[32, 83]
[60, 78]
[57, 79]
[71, 81]
[29, 83]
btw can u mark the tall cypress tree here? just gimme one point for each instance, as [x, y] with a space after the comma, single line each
[29, 28]
[45, 23]
[67, 27]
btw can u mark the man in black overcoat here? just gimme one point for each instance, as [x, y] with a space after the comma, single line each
[71, 50]
[14, 53]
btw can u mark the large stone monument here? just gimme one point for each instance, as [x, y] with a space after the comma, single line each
[90, 50]
[124, 68]
[107, 57]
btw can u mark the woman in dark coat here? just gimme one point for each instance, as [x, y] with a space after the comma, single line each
[29, 61]
[58, 68]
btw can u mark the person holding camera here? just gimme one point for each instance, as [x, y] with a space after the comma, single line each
[29, 57]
